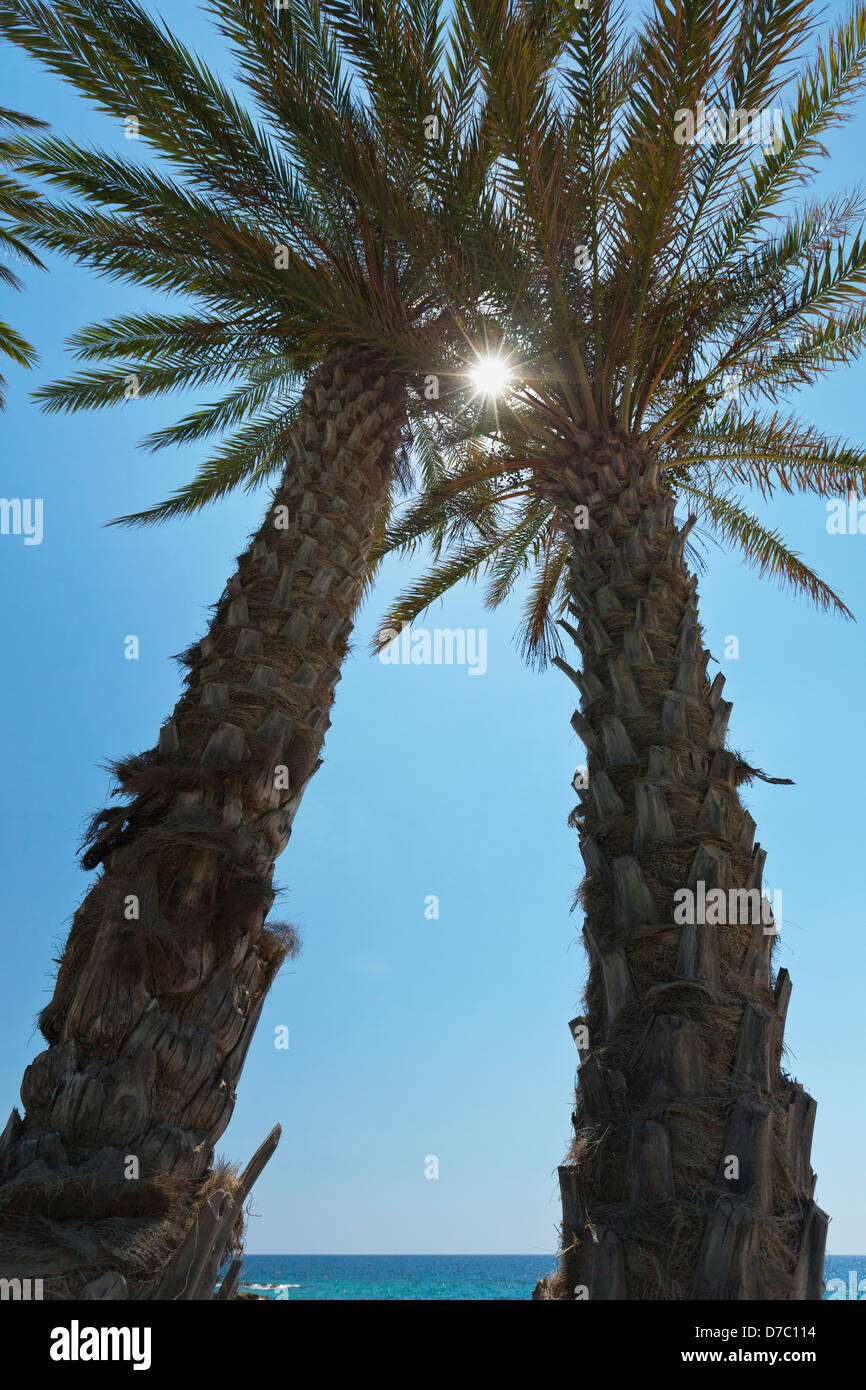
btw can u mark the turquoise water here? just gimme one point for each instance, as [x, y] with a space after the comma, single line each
[453, 1276]
[400, 1276]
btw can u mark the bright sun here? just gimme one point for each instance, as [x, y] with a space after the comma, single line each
[490, 376]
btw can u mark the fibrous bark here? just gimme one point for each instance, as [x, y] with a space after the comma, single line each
[689, 1173]
[169, 959]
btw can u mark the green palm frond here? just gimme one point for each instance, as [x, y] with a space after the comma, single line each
[824, 92]
[750, 451]
[463, 563]
[761, 547]
[250, 457]
[546, 600]
[267, 380]
[193, 335]
[528, 539]
[16, 201]
[129, 381]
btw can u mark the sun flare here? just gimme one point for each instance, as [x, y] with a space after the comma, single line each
[490, 376]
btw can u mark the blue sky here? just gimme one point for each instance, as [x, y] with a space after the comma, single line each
[409, 1037]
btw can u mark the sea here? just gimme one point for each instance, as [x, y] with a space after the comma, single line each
[306, 1277]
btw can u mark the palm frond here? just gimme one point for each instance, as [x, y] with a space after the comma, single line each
[764, 548]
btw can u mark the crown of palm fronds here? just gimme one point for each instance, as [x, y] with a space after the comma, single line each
[309, 226]
[15, 202]
[642, 282]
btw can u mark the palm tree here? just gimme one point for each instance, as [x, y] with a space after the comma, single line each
[15, 201]
[655, 298]
[289, 244]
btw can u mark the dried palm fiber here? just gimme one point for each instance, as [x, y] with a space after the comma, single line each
[169, 958]
[683, 1068]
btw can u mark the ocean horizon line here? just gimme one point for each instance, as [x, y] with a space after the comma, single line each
[399, 1254]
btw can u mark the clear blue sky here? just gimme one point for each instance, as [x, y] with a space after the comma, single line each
[409, 1037]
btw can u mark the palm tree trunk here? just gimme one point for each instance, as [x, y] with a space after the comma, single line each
[689, 1174]
[168, 961]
